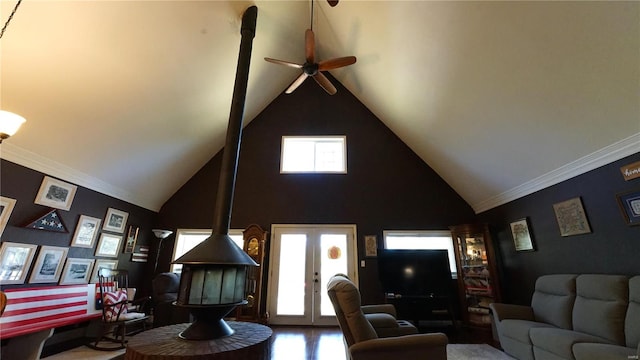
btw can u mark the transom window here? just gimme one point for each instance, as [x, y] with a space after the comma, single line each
[187, 239]
[314, 154]
[422, 240]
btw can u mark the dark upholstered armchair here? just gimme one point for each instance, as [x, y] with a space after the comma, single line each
[165, 291]
[383, 318]
[360, 338]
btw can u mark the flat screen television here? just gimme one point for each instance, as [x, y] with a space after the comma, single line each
[415, 272]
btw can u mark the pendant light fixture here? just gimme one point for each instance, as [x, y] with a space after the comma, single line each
[9, 122]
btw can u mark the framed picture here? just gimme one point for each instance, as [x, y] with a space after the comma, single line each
[629, 203]
[48, 266]
[370, 245]
[76, 271]
[132, 237]
[521, 235]
[15, 261]
[56, 194]
[115, 221]
[109, 245]
[571, 217]
[102, 264]
[86, 232]
[6, 207]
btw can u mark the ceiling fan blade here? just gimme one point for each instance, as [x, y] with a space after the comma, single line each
[336, 63]
[282, 62]
[309, 46]
[325, 83]
[297, 82]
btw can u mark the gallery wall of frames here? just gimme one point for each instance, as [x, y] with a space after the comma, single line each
[54, 232]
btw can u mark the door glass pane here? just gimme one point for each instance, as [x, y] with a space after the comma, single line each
[291, 282]
[333, 260]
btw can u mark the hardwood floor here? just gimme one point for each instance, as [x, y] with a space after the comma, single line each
[289, 342]
[307, 343]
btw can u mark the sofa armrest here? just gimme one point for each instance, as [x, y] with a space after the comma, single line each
[511, 311]
[380, 308]
[420, 346]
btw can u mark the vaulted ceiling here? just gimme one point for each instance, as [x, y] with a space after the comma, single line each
[131, 98]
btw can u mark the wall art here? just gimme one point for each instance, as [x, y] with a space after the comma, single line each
[86, 232]
[370, 245]
[631, 171]
[571, 217]
[48, 266]
[76, 271]
[522, 238]
[132, 237]
[109, 245]
[56, 193]
[102, 264]
[15, 261]
[115, 221]
[629, 203]
[51, 221]
[142, 255]
[6, 207]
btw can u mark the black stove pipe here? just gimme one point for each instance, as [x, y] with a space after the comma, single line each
[219, 248]
[229, 167]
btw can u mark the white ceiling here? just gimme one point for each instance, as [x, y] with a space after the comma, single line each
[131, 98]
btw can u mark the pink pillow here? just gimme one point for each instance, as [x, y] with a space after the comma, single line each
[117, 298]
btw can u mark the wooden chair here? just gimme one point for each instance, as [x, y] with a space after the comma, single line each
[121, 316]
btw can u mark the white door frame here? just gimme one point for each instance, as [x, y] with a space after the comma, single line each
[311, 289]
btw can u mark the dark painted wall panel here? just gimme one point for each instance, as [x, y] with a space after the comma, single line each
[20, 183]
[612, 247]
[387, 185]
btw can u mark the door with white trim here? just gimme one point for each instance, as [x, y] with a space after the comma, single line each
[302, 260]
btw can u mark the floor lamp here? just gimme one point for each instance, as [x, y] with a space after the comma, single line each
[160, 234]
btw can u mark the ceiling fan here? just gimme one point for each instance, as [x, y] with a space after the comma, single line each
[311, 67]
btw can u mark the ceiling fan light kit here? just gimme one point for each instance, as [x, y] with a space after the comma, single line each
[311, 68]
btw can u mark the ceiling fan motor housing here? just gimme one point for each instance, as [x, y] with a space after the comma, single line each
[310, 69]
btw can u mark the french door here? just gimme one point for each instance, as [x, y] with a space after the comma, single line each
[302, 259]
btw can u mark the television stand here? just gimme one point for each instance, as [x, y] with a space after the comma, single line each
[423, 307]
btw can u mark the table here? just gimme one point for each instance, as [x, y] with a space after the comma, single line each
[250, 341]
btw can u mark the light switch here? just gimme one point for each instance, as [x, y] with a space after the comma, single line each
[362, 264]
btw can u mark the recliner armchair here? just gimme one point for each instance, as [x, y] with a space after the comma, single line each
[361, 339]
[384, 319]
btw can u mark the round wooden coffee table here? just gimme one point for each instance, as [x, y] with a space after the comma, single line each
[249, 342]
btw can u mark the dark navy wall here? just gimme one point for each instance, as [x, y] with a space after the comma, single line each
[612, 247]
[21, 183]
[387, 185]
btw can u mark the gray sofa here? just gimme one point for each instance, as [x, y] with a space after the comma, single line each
[576, 317]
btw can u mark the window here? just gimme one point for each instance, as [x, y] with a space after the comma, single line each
[314, 154]
[187, 239]
[422, 240]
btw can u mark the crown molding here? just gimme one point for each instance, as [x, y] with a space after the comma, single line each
[53, 168]
[604, 156]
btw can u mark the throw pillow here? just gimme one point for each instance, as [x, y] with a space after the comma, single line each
[114, 302]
